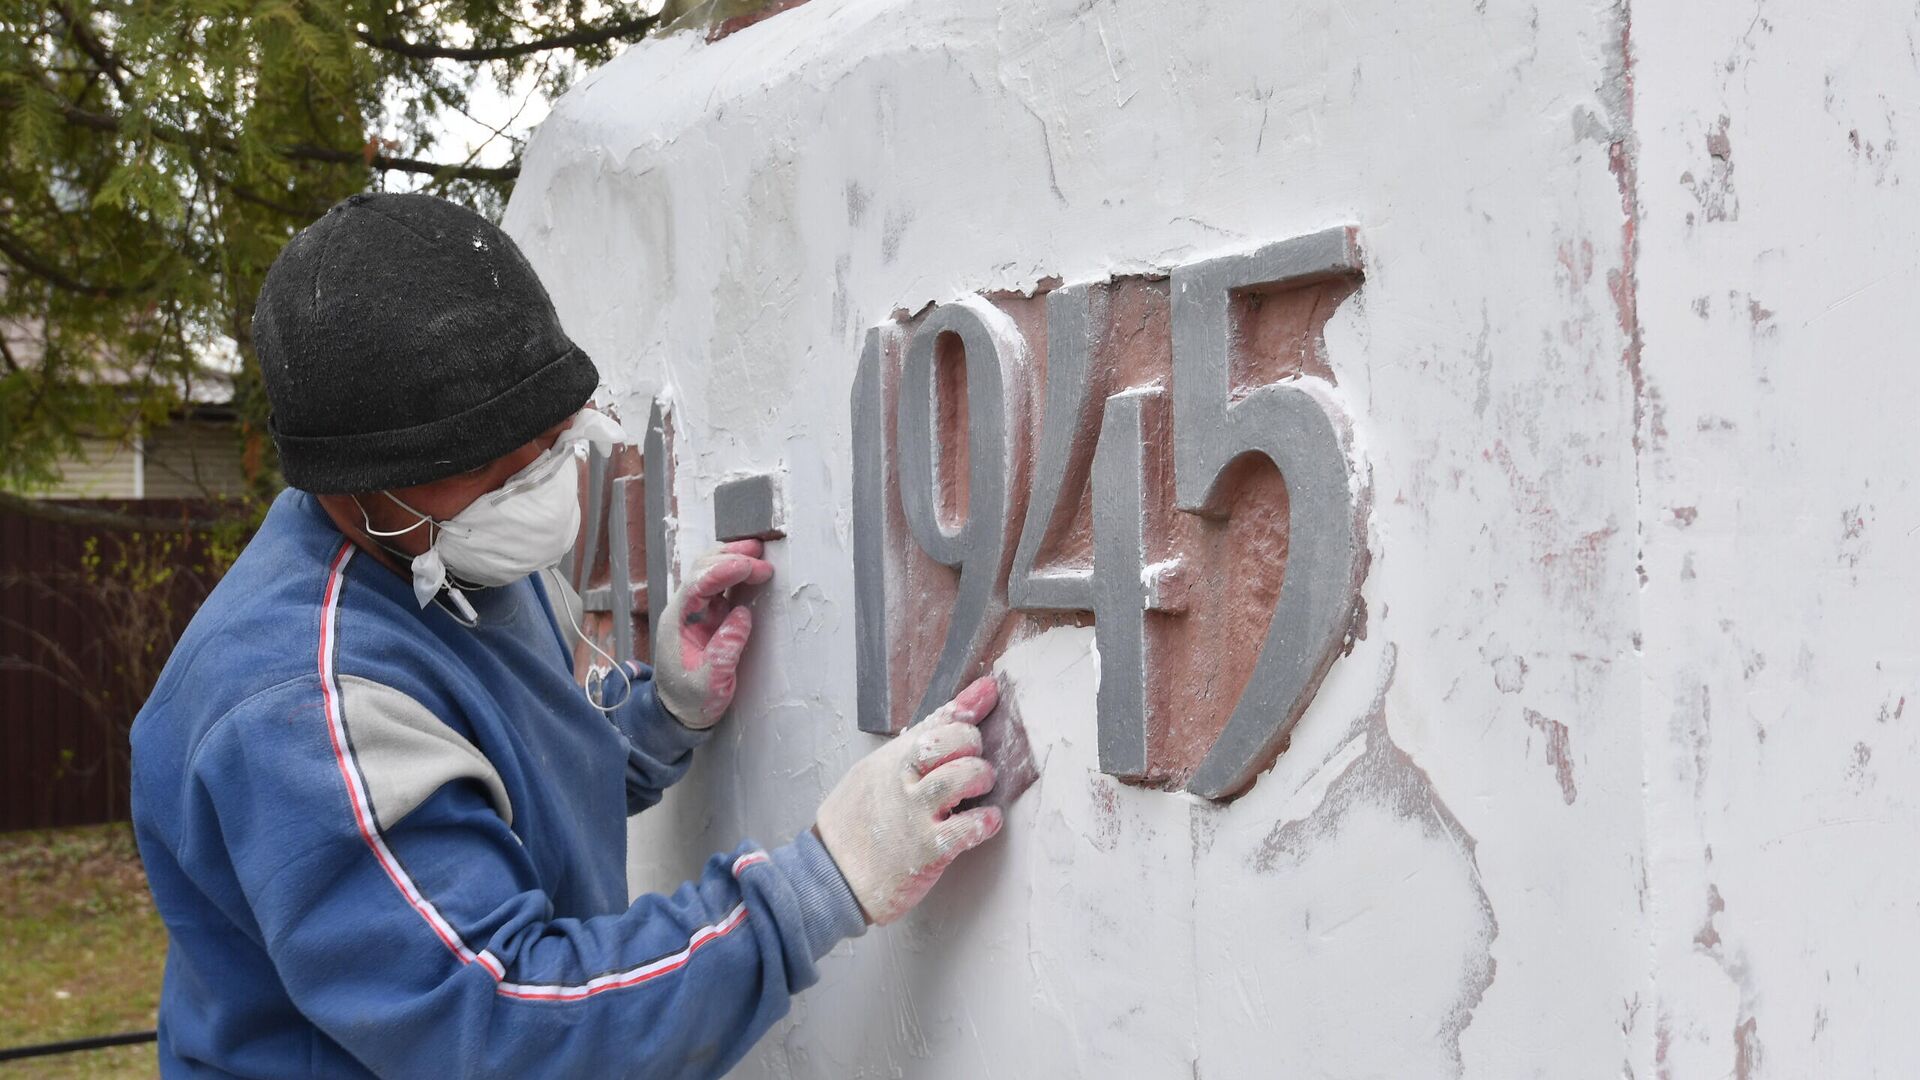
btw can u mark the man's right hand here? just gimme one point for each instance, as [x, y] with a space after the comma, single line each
[889, 823]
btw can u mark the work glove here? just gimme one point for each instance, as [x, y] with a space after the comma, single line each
[702, 633]
[889, 823]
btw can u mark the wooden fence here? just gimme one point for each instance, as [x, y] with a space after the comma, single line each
[88, 614]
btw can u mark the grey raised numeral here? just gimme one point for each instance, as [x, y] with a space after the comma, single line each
[974, 546]
[1121, 597]
[606, 511]
[1060, 463]
[873, 477]
[620, 600]
[1294, 424]
[1112, 588]
[657, 474]
[1295, 427]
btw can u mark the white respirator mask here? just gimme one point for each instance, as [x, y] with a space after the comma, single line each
[526, 525]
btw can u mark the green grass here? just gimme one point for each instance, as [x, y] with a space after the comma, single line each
[82, 948]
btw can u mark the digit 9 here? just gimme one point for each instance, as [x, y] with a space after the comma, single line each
[955, 440]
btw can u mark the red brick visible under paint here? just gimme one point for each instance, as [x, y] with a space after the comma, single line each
[1559, 754]
[625, 468]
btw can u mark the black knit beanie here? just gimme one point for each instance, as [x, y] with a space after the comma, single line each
[405, 339]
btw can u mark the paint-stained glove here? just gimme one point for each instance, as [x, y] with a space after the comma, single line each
[702, 633]
[889, 824]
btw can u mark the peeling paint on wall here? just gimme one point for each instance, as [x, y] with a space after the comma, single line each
[1381, 776]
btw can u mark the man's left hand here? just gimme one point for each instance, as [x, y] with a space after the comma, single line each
[703, 632]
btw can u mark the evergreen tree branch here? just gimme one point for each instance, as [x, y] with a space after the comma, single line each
[90, 43]
[25, 259]
[110, 123]
[302, 214]
[598, 35]
[450, 170]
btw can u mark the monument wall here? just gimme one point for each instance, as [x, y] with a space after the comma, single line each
[1436, 479]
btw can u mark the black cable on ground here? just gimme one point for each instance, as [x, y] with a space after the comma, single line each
[127, 1038]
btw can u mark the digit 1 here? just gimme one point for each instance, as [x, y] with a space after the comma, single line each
[872, 478]
[976, 545]
[620, 589]
[1295, 427]
[658, 477]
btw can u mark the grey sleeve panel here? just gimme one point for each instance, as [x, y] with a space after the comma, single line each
[406, 753]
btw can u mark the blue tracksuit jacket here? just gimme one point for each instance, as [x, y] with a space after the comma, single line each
[387, 844]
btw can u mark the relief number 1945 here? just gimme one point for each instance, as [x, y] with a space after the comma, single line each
[1189, 488]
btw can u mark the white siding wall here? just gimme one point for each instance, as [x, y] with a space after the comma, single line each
[184, 460]
[104, 470]
[189, 460]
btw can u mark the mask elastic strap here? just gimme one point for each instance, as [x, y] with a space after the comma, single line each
[461, 609]
[612, 664]
[366, 520]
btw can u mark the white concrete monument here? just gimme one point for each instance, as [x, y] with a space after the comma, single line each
[1438, 479]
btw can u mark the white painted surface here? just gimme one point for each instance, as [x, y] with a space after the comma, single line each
[1417, 889]
[1781, 623]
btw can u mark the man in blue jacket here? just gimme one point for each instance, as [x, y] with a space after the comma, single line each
[385, 828]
